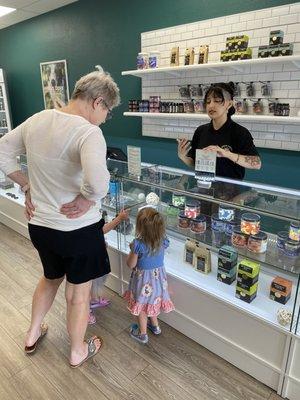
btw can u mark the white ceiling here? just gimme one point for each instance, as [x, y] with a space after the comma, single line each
[28, 8]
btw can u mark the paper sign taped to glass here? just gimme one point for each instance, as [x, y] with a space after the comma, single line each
[205, 166]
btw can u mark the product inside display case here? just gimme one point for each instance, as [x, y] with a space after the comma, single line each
[238, 241]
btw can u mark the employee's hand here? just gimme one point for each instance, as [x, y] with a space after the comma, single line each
[29, 207]
[184, 146]
[76, 208]
[220, 152]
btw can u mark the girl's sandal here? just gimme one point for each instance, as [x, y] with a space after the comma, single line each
[32, 349]
[92, 350]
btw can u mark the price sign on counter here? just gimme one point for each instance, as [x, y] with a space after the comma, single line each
[205, 165]
[134, 160]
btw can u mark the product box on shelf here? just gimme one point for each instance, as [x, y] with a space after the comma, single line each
[190, 246]
[202, 259]
[246, 295]
[281, 290]
[203, 54]
[285, 49]
[189, 56]
[174, 60]
[234, 43]
[276, 37]
[227, 259]
[248, 273]
[263, 51]
[226, 276]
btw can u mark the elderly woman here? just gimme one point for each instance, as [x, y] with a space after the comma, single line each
[66, 154]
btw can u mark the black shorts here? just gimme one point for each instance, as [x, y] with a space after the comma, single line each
[80, 254]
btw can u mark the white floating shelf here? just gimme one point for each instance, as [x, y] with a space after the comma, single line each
[217, 67]
[238, 117]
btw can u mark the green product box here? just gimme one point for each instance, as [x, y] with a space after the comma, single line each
[263, 51]
[227, 258]
[226, 276]
[245, 54]
[273, 51]
[245, 281]
[285, 49]
[251, 268]
[225, 56]
[234, 43]
[276, 37]
[246, 295]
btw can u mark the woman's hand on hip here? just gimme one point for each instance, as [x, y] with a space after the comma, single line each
[29, 207]
[76, 208]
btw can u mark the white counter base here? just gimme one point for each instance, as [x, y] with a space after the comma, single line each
[208, 313]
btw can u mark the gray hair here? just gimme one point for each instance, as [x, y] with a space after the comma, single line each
[97, 84]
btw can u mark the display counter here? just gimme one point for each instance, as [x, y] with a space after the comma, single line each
[250, 233]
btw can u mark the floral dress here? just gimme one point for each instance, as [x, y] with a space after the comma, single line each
[148, 286]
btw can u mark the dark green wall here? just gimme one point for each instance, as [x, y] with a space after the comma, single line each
[91, 32]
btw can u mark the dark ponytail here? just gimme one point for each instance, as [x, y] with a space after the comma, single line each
[217, 90]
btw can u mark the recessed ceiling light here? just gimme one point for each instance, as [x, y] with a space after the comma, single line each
[6, 10]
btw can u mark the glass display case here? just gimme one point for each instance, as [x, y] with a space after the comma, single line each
[250, 231]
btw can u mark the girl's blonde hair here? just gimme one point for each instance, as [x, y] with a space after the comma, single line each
[150, 228]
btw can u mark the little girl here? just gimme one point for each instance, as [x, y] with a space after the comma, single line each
[97, 300]
[147, 293]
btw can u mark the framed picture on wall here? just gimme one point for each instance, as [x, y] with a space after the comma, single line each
[55, 83]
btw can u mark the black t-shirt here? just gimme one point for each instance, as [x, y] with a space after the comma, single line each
[231, 136]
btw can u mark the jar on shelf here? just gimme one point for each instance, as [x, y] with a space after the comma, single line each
[172, 210]
[217, 224]
[294, 232]
[178, 200]
[183, 221]
[154, 59]
[281, 238]
[250, 224]
[230, 225]
[142, 61]
[239, 238]
[198, 225]
[292, 248]
[192, 208]
[226, 213]
[217, 238]
[258, 243]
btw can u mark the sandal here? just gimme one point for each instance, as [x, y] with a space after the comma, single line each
[101, 302]
[92, 350]
[32, 349]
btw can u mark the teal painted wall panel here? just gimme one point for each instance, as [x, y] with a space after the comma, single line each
[91, 32]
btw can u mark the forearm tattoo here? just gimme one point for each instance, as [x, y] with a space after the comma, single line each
[254, 161]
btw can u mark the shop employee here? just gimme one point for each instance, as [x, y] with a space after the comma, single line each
[232, 142]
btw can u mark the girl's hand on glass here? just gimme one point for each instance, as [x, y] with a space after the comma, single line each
[123, 215]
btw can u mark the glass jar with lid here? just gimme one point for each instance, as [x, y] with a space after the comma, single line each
[258, 243]
[250, 224]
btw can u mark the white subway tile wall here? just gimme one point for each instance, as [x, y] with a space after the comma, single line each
[257, 25]
[285, 80]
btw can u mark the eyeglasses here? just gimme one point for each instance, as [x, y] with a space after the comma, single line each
[109, 111]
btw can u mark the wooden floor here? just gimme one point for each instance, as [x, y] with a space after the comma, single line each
[170, 366]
